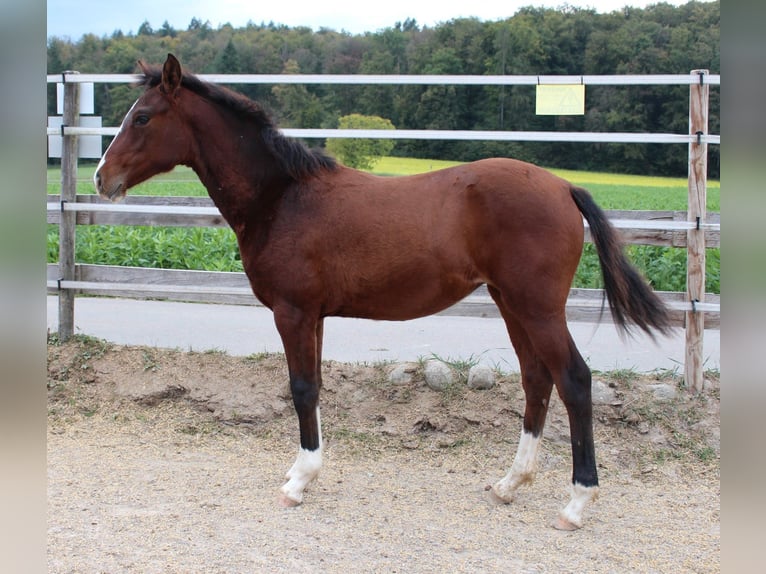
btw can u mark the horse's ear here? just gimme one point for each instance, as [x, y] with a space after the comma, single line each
[171, 75]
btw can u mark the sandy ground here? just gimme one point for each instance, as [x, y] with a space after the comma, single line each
[170, 462]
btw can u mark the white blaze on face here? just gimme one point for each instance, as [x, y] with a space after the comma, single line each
[103, 157]
[304, 470]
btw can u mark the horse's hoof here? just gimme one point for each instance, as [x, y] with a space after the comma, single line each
[562, 523]
[287, 502]
[494, 498]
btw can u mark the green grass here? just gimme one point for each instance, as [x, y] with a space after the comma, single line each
[181, 182]
[611, 191]
[215, 249]
[409, 165]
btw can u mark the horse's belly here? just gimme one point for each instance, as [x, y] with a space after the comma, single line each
[405, 301]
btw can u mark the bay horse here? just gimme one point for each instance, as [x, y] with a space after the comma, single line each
[318, 239]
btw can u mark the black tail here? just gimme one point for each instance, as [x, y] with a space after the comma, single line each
[629, 295]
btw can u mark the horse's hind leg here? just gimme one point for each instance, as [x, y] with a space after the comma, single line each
[574, 388]
[537, 383]
[572, 377]
[548, 356]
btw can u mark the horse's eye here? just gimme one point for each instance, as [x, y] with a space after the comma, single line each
[141, 120]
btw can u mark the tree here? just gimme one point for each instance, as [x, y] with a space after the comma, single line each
[121, 56]
[298, 108]
[228, 63]
[361, 153]
[167, 30]
[661, 39]
[145, 29]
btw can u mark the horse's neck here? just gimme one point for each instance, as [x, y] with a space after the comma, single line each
[230, 195]
[233, 171]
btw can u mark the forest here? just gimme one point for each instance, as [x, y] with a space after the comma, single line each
[659, 39]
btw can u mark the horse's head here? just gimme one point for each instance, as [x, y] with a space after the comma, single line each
[152, 139]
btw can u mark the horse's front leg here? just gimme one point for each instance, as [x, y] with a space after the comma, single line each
[302, 338]
[307, 464]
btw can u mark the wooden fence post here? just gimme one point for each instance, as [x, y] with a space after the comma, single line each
[68, 218]
[695, 268]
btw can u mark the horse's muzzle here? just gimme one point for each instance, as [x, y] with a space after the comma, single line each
[115, 191]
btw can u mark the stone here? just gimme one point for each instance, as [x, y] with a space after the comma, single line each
[481, 377]
[663, 391]
[402, 374]
[438, 375]
[602, 394]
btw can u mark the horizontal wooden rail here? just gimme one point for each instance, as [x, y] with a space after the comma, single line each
[452, 135]
[662, 228]
[135, 208]
[212, 210]
[413, 79]
[234, 288]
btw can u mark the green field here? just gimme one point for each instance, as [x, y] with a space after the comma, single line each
[215, 249]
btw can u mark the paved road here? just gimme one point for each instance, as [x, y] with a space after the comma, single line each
[243, 330]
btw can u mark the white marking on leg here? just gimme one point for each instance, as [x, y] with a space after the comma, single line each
[570, 517]
[304, 470]
[522, 471]
[103, 157]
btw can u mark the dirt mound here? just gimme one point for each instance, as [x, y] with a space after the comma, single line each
[650, 411]
[650, 434]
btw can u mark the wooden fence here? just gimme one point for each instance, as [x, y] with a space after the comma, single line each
[693, 229]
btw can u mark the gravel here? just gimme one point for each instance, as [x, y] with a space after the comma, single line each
[177, 485]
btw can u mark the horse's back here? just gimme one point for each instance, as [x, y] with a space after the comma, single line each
[496, 181]
[479, 210]
[506, 202]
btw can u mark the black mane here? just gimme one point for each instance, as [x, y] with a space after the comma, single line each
[295, 158]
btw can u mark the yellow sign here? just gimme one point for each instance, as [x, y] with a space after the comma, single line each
[560, 100]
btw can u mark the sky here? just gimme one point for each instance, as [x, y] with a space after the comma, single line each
[74, 18]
